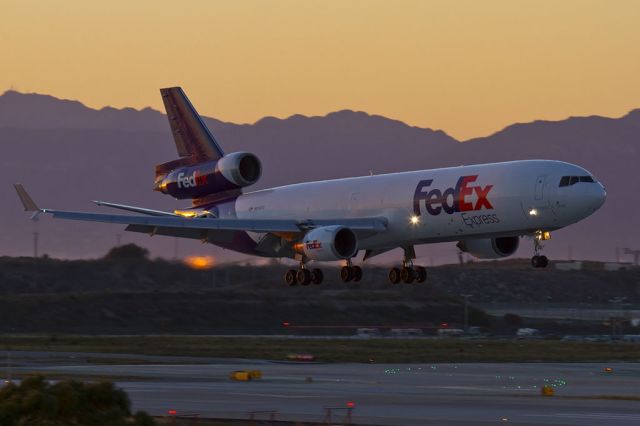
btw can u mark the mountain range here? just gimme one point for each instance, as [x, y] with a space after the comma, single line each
[67, 154]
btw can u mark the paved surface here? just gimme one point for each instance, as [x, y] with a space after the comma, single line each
[404, 394]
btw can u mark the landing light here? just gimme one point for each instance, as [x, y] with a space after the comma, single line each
[533, 212]
[414, 220]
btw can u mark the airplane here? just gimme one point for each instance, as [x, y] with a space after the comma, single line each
[485, 208]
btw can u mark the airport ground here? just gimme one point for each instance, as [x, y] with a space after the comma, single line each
[336, 349]
[374, 393]
[170, 335]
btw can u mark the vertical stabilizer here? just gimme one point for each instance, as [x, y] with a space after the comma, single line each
[191, 135]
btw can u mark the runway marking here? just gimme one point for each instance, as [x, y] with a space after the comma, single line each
[608, 416]
[472, 388]
[271, 395]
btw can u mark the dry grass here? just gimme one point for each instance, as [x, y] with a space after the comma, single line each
[334, 350]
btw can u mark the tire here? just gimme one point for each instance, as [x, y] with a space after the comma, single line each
[394, 275]
[407, 275]
[303, 276]
[535, 261]
[357, 273]
[544, 261]
[346, 274]
[317, 276]
[421, 274]
[290, 277]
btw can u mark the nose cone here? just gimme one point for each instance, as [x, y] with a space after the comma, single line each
[597, 197]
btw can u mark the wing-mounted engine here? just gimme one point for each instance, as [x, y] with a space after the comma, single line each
[490, 248]
[233, 171]
[329, 243]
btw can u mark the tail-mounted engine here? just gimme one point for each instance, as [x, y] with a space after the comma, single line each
[490, 248]
[181, 179]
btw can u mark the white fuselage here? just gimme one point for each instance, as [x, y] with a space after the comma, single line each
[499, 199]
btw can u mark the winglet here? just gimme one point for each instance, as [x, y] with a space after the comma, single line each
[27, 202]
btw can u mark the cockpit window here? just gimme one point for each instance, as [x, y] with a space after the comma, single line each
[572, 180]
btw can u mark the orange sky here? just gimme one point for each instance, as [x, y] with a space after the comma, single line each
[467, 67]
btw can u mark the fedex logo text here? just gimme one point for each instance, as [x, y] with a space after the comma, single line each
[314, 245]
[451, 200]
[190, 181]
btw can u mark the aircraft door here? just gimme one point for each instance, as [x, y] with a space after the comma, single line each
[540, 181]
[354, 202]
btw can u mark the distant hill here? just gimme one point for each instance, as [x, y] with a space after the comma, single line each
[83, 154]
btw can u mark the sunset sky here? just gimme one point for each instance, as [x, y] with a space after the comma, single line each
[466, 67]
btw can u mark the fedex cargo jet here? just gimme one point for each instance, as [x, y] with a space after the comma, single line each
[486, 208]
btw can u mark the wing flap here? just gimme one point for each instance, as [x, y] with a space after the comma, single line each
[211, 236]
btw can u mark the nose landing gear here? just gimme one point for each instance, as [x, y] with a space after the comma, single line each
[538, 260]
[408, 273]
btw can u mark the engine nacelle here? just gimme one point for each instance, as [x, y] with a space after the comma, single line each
[490, 248]
[329, 243]
[240, 168]
[232, 171]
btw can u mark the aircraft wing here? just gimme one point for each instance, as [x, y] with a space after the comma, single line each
[373, 225]
[361, 226]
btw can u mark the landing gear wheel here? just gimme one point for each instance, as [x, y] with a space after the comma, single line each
[357, 273]
[544, 261]
[303, 276]
[346, 274]
[539, 261]
[394, 275]
[407, 275]
[290, 277]
[535, 261]
[317, 276]
[421, 274]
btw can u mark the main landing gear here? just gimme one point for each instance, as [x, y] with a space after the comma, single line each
[303, 276]
[306, 276]
[350, 272]
[408, 273]
[538, 260]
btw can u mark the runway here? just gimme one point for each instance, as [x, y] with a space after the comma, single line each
[382, 394]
